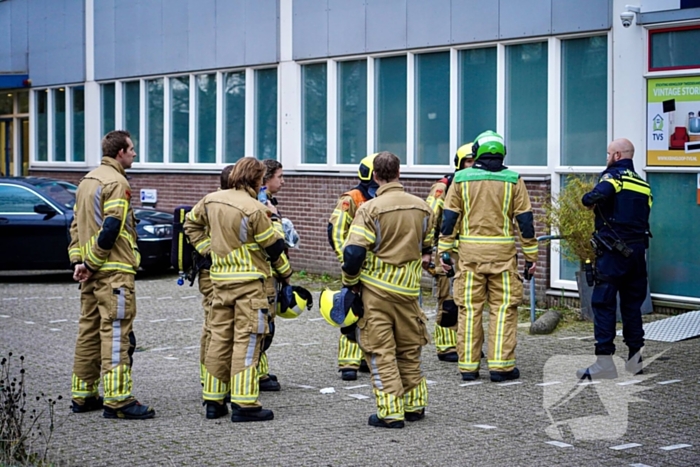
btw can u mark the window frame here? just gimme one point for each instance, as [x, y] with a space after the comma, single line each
[650, 34]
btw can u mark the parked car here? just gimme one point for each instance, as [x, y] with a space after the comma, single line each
[35, 218]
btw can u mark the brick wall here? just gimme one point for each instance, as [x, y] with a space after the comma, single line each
[308, 201]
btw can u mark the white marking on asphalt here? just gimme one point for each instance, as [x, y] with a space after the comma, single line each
[510, 383]
[164, 298]
[184, 319]
[559, 444]
[585, 337]
[627, 383]
[281, 344]
[4, 316]
[31, 298]
[58, 321]
[430, 381]
[621, 447]
[670, 381]
[29, 322]
[548, 383]
[303, 386]
[567, 338]
[54, 298]
[170, 358]
[158, 320]
[485, 427]
[587, 383]
[472, 383]
[54, 329]
[188, 297]
[306, 344]
[358, 386]
[160, 349]
[676, 446]
[142, 298]
[317, 319]
[358, 396]
[639, 465]
[191, 347]
[10, 298]
[328, 391]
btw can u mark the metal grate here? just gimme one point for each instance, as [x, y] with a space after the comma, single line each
[673, 329]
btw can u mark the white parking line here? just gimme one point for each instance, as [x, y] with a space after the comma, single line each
[31, 298]
[303, 386]
[627, 383]
[639, 465]
[191, 347]
[559, 444]
[317, 319]
[357, 386]
[676, 446]
[142, 298]
[188, 297]
[472, 383]
[158, 320]
[29, 322]
[54, 330]
[54, 298]
[160, 349]
[548, 383]
[4, 316]
[306, 344]
[510, 383]
[621, 447]
[58, 321]
[670, 381]
[171, 358]
[164, 298]
[587, 383]
[10, 298]
[358, 396]
[485, 427]
[184, 319]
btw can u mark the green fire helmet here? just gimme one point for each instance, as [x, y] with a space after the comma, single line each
[488, 142]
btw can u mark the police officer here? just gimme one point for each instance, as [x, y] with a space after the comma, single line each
[445, 332]
[105, 257]
[349, 353]
[481, 208]
[235, 229]
[392, 237]
[622, 203]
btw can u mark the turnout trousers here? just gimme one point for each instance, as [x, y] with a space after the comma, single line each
[206, 288]
[392, 334]
[500, 284]
[107, 312]
[238, 322]
[445, 338]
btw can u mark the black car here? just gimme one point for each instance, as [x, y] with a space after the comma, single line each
[35, 218]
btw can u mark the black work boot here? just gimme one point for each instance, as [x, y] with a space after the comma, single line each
[250, 414]
[470, 375]
[448, 357]
[634, 362]
[364, 368]
[348, 375]
[216, 410]
[501, 376]
[268, 385]
[374, 420]
[272, 377]
[603, 368]
[91, 404]
[414, 416]
[132, 411]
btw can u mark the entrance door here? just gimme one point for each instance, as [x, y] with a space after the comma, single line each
[23, 145]
[6, 152]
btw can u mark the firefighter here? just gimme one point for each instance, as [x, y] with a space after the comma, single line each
[622, 202]
[481, 208]
[105, 258]
[246, 251]
[390, 239]
[350, 357]
[445, 332]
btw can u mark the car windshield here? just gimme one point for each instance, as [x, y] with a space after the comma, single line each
[155, 217]
[61, 192]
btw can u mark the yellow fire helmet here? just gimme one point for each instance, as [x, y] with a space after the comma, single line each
[366, 169]
[292, 301]
[464, 152]
[333, 307]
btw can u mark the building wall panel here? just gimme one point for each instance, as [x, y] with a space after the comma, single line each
[310, 29]
[346, 27]
[576, 16]
[474, 21]
[386, 25]
[428, 23]
[525, 19]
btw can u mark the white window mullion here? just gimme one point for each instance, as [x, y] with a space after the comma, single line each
[501, 90]
[220, 117]
[50, 106]
[68, 119]
[410, 110]
[332, 113]
[33, 144]
[278, 122]
[193, 120]
[250, 111]
[371, 106]
[454, 100]
[167, 123]
[118, 106]
[143, 113]
[553, 104]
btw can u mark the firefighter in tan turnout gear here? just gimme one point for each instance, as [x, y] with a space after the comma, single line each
[392, 237]
[350, 357]
[105, 258]
[246, 251]
[445, 332]
[481, 208]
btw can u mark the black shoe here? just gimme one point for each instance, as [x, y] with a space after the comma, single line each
[414, 416]
[253, 414]
[269, 385]
[603, 368]
[364, 368]
[272, 377]
[91, 404]
[133, 411]
[448, 357]
[348, 375]
[470, 376]
[500, 376]
[374, 420]
[634, 363]
[216, 410]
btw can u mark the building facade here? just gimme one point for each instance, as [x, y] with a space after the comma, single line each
[319, 84]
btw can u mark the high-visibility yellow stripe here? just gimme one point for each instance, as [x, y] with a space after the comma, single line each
[469, 364]
[466, 207]
[507, 195]
[637, 188]
[115, 266]
[361, 231]
[530, 249]
[338, 232]
[115, 203]
[501, 316]
[476, 239]
[244, 276]
[615, 183]
[201, 246]
[265, 235]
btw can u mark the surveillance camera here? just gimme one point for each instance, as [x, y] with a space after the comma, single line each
[627, 17]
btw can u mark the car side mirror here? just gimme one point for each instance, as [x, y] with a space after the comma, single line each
[43, 208]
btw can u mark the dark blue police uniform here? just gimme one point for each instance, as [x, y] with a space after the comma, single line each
[622, 201]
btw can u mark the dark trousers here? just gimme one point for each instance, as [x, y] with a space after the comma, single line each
[628, 277]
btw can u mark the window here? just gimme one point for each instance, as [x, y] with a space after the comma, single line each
[154, 120]
[584, 72]
[108, 111]
[206, 118]
[352, 111]
[132, 114]
[78, 123]
[17, 200]
[234, 116]
[477, 93]
[314, 98]
[180, 119]
[432, 116]
[6, 100]
[266, 113]
[391, 105]
[59, 124]
[526, 104]
[674, 48]
[23, 102]
[42, 135]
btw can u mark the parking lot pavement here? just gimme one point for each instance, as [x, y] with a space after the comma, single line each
[545, 418]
